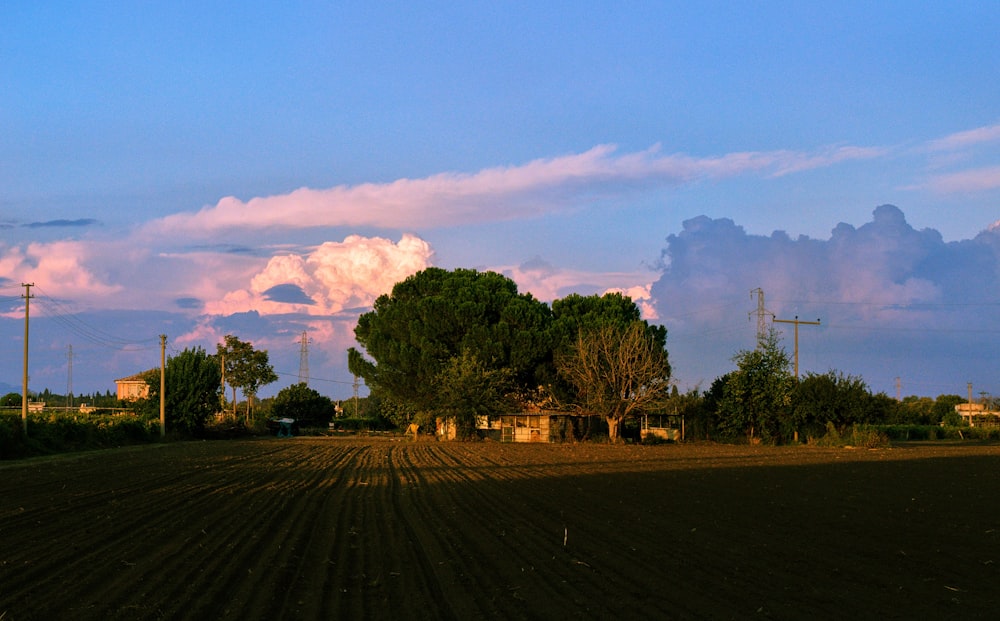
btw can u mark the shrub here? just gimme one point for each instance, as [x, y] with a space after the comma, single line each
[64, 432]
[861, 436]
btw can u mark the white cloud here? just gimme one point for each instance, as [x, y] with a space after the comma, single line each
[547, 282]
[968, 138]
[973, 180]
[334, 277]
[492, 194]
[643, 298]
[60, 267]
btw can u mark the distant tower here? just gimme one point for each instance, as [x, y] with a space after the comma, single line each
[304, 359]
[762, 314]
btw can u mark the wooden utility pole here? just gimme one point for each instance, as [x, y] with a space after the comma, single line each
[163, 385]
[24, 380]
[796, 321]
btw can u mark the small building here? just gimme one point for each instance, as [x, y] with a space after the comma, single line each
[662, 427]
[542, 426]
[977, 415]
[135, 387]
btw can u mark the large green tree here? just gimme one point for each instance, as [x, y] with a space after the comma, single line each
[577, 313]
[413, 334]
[304, 404]
[757, 395]
[193, 383]
[246, 368]
[830, 397]
[468, 389]
[618, 370]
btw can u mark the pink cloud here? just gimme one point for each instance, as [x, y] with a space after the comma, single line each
[59, 266]
[334, 277]
[492, 194]
[974, 180]
[964, 139]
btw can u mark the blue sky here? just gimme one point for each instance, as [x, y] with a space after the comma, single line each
[263, 169]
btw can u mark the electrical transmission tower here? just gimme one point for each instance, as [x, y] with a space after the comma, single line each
[762, 315]
[304, 359]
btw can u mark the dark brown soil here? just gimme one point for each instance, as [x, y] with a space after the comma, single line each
[389, 529]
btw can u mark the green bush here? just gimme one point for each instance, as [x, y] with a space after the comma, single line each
[12, 441]
[66, 432]
[861, 436]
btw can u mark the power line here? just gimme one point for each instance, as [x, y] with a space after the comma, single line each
[71, 321]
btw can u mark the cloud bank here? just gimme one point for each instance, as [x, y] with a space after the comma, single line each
[886, 293]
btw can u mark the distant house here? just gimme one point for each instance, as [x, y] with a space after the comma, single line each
[135, 387]
[977, 415]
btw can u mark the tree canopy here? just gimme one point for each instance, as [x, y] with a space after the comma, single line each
[618, 370]
[435, 316]
[245, 368]
[832, 397]
[757, 395]
[304, 404]
[193, 383]
[465, 343]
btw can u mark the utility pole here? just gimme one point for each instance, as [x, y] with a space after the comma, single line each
[163, 385]
[899, 388]
[796, 321]
[69, 378]
[304, 359]
[356, 414]
[222, 384]
[24, 380]
[761, 313]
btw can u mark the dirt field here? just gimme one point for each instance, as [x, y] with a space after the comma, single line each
[388, 529]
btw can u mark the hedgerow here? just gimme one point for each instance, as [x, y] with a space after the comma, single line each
[64, 432]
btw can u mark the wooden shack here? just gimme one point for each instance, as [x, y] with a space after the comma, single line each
[544, 426]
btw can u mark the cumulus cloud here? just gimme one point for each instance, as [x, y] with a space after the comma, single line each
[492, 194]
[59, 266]
[643, 298]
[330, 279]
[882, 290]
[547, 282]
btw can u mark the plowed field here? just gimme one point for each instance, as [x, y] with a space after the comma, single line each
[387, 529]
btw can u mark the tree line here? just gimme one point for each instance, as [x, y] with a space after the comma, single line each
[461, 344]
[464, 344]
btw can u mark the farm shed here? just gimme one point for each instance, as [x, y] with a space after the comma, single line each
[662, 427]
[543, 427]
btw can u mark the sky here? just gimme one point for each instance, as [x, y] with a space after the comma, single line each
[267, 169]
